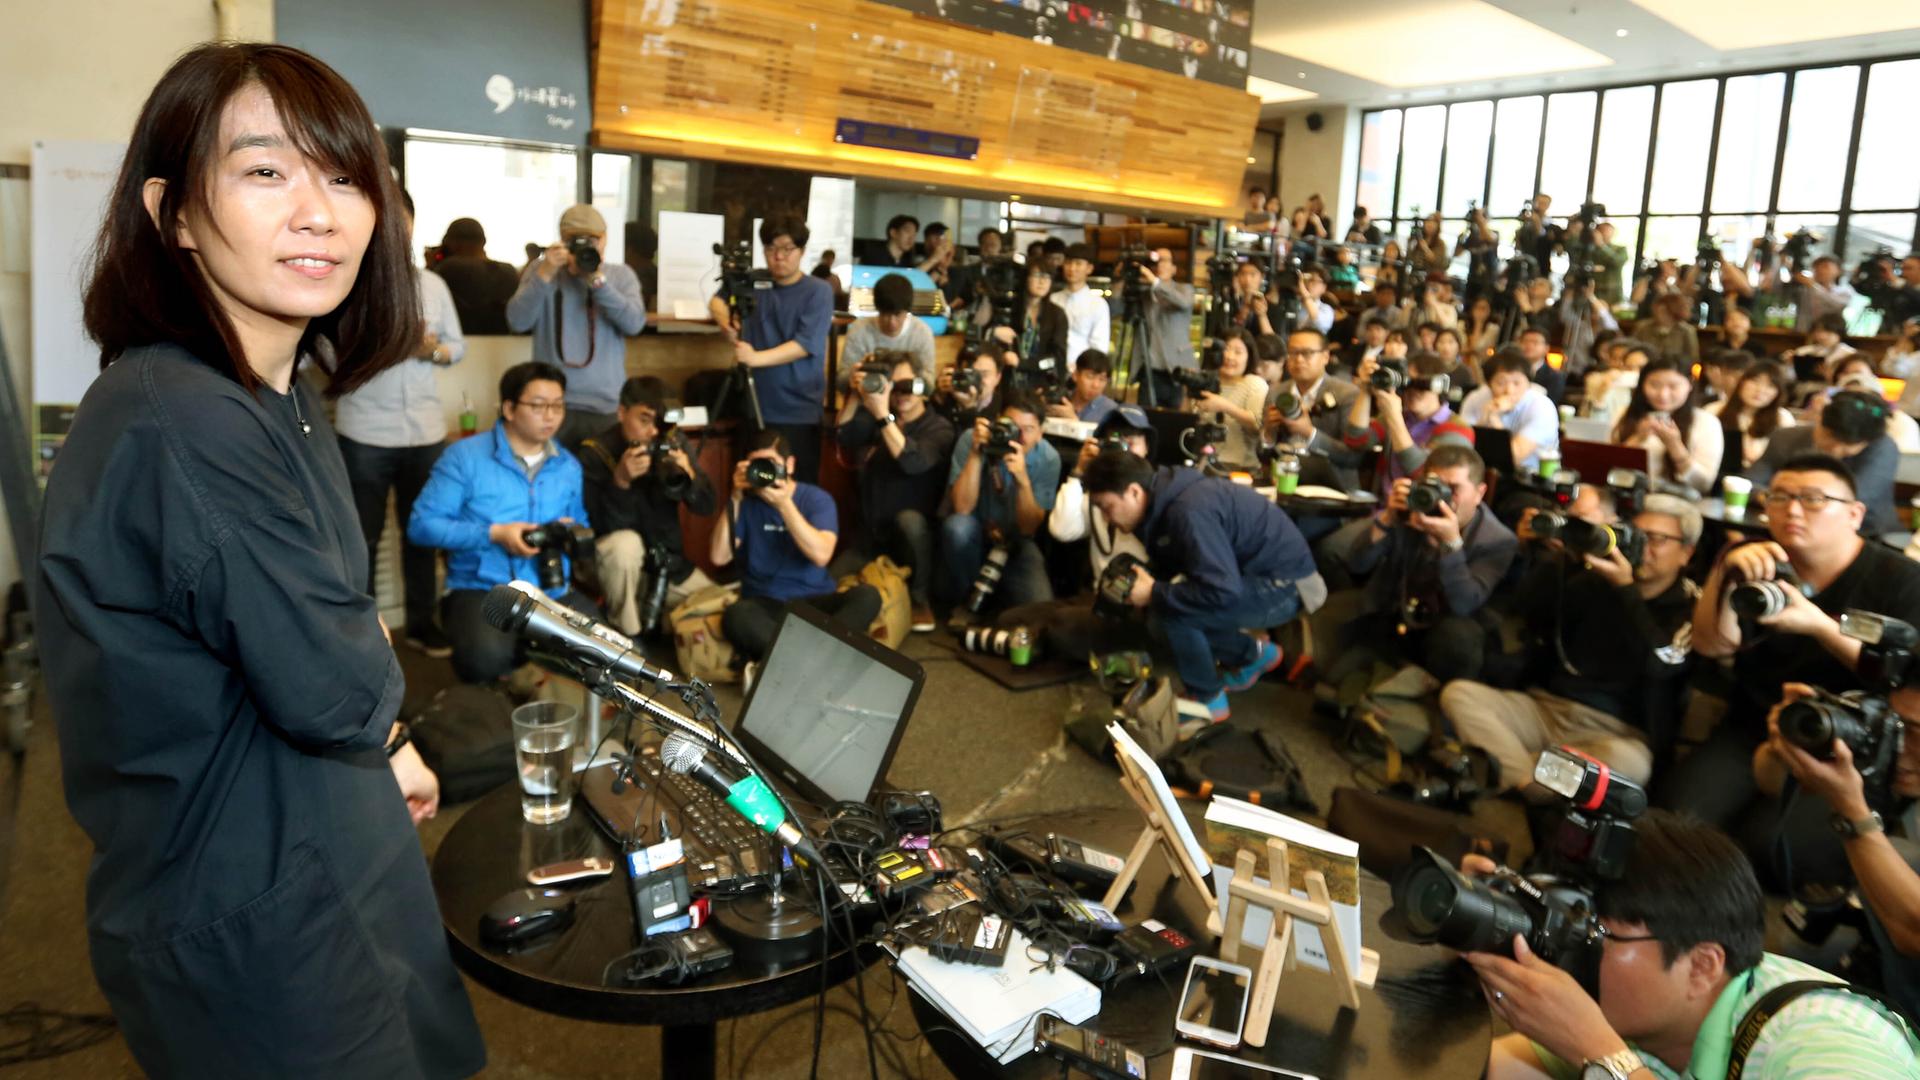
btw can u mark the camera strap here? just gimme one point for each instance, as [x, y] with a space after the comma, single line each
[1771, 1002]
[560, 330]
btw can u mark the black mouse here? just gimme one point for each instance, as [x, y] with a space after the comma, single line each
[525, 914]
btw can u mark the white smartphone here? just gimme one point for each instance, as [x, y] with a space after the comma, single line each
[1213, 1006]
[1191, 1064]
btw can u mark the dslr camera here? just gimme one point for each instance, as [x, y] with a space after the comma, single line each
[1002, 439]
[1753, 600]
[1389, 375]
[1552, 909]
[586, 254]
[1205, 381]
[763, 473]
[1863, 719]
[966, 380]
[1115, 585]
[1428, 494]
[876, 377]
[675, 482]
[1560, 489]
[554, 543]
[653, 604]
[1583, 537]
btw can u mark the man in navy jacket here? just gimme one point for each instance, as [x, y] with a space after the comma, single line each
[1245, 566]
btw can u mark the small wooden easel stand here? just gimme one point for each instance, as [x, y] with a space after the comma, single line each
[1277, 956]
[1162, 832]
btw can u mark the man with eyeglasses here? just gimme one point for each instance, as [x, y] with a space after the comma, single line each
[1606, 655]
[1309, 408]
[1853, 428]
[784, 342]
[581, 311]
[486, 493]
[1813, 517]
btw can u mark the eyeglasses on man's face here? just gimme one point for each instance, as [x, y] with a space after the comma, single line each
[1812, 500]
[548, 408]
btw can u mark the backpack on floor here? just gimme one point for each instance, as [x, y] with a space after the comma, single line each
[895, 619]
[1252, 765]
[465, 735]
[701, 650]
[1148, 710]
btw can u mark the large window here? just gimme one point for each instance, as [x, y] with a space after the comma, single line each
[1728, 159]
[516, 190]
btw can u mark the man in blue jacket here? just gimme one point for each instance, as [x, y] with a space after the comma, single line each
[486, 493]
[1245, 566]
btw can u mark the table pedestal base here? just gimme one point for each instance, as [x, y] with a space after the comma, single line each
[687, 1050]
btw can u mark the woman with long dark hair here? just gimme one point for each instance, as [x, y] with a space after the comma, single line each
[1683, 443]
[258, 903]
[1752, 413]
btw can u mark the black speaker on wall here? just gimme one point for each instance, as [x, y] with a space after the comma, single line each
[1315, 121]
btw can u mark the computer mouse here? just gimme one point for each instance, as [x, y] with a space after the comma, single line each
[525, 914]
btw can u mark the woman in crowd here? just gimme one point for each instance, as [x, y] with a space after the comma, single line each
[1461, 368]
[1667, 333]
[1388, 272]
[1751, 414]
[1683, 444]
[1040, 325]
[1737, 329]
[1480, 329]
[1431, 254]
[1856, 373]
[226, 695]
[1239, 401]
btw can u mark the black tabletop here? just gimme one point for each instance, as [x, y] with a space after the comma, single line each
[487, 854]
[1423, 1017]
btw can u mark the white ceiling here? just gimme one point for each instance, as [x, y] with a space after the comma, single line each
[1385, 52]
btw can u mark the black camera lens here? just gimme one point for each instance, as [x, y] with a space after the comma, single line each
[1440, 904]
[1757, 599]
[764, 473]
[1812, 726]
[586, 254]
[1427, 496]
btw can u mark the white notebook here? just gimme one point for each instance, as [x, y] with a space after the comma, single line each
[997, 1006]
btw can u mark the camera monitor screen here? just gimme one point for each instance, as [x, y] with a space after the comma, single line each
[827, 710]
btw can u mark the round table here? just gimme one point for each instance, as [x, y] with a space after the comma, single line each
[1423, 1017]
[487, 854]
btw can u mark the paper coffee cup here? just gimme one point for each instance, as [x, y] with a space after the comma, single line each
[1736, 490]
[1549, 462]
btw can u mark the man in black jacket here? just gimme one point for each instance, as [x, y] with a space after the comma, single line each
[902, 448]
[1240, 562]
[1608, 643]
[635, 483]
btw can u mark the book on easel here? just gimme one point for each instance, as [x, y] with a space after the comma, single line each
[1234, 826]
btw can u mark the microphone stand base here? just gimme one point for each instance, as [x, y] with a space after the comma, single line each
[769, 929]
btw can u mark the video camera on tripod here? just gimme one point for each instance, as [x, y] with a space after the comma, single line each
[1001, 281]
[1134, 289]
[737, 278]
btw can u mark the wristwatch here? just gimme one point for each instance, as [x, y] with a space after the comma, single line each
[889, 420]
[1872, 823]
[1615, 1066]
[400, 738]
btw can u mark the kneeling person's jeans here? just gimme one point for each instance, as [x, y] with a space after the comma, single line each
[622, 559]
[907, 537]
[963, 548]
[482, 654]
[1204, 643]
[751, 621]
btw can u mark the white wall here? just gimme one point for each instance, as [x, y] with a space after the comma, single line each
[1324, 162]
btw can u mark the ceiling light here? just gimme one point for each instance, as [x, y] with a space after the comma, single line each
[1346, 38]
[1273, 93]
[1250, 160]
[1300, 74]
[1622, 32]
[1752, 24]
[1013, 198]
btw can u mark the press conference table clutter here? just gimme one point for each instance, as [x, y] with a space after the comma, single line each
[1424, 1016]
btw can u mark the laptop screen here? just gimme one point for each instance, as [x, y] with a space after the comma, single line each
[827, 709]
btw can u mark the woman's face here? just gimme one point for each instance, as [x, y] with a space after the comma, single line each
[1481, 311]
[1737, 320]
[1447, 346]
[1233, 359]
[1758, 393]
[1390, 252]
[1666, 391]
[282, 236]
[1039, 285]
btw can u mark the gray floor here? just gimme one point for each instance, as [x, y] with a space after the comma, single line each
[985, 751]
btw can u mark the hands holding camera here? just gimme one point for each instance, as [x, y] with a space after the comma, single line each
[1442, 527]
[1834, 780]
[512, 536]
[1759, 561]
[778, 494]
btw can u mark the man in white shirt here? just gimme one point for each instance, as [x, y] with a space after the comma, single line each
[1088, 318]
[1512, 401]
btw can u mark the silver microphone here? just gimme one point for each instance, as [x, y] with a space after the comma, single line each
[582, 641]
[743, 791]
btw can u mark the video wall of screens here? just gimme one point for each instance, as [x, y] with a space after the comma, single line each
[1200, 39]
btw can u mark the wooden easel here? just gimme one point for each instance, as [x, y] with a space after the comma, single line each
[1159, 831]
[1277, 955]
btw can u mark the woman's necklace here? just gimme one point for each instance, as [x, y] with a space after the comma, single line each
[306, 429]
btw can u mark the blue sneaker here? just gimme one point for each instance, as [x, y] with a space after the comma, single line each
[1216, 705]
[1266, 660]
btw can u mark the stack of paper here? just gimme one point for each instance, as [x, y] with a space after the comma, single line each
[998, 1006]
[1234, 826]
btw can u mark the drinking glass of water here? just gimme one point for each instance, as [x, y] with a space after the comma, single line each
[543, 737]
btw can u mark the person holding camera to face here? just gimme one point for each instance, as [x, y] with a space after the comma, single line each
[783, 532]
[637, 475]
[1223, 561]
[1435, 554]
[1608, 620]
[581, 310]
[1678, 969]
[973, 387]
[1309, 409]
[1000, 485]
[1404, 409]
[892, 328]
[1169, 328]
[506, 505]
[1087, 401]
[1074, 516]
[1772, 605]
[900, 447]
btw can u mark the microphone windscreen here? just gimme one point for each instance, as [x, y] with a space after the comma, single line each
[498, 609]
[680, 753]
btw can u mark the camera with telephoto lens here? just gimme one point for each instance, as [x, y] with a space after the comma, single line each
[1042, 375]
[989, 641]
[988, 579]
[653, 603]
[1288, 404]
[1389, 375]
[1753, 600]
[1863, 719]
[1583, 537]
[1554, 909]
[763, 473]
[586, 253]
[554, 543]
[1115, 586]
[1428, 494]
[1003, 438]
[1799, 247]
[1202, 381]
[965, 380]
[675, 482]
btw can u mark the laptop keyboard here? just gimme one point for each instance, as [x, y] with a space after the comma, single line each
[721, 845]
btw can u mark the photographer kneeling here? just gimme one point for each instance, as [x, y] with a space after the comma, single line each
[477, 505]
[1606, 649]
[1000, 485]
[1242, 564]
[637, 475]
[784, 536]
[900, 446]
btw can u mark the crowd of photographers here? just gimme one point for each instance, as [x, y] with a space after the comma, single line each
[1412, 434]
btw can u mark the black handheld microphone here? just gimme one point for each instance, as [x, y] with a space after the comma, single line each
[743, 791]
[584, 642]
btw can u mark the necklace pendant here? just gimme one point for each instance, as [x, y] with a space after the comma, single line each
[306, 429]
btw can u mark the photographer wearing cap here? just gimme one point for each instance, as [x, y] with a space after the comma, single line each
[1606, 649]
[783, 532]
[901, 448]
[1883, 876]
[1435, 560]
[1001, 502]
[637, 475]
[1309, 409]
[581, 312]
[1853, 429]
[892, 328]
[1815, 566]
[1223, 560]
[1681, 968]
[1088, 316]
[1074, 516]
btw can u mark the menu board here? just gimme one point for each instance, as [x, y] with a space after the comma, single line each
[914, 84]
[1200, 39]
[697, 58]
[1070, 122]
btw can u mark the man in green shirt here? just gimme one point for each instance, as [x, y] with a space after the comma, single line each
[1679, 969]
[1608, 259]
